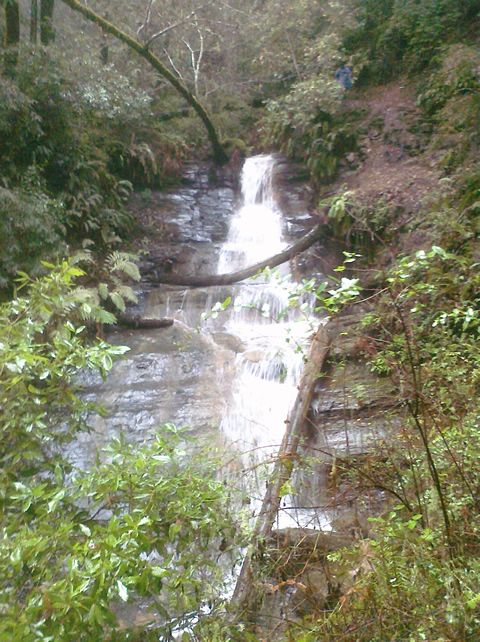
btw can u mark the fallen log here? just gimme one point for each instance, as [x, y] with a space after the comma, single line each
[228, 279]
[318, 353]
[143, 323]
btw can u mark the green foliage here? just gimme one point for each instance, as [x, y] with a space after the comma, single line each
[105, 89]
[109, 279]
[146, 522]
[403, 588]
[451, 103]
[42, 348]
[303, 124]
[53, 162]
[362, 225]
[469, 190]
[404, 35]
[30, 230]
[20, 127]
[150, 525]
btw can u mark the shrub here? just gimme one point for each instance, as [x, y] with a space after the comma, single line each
[451, 103]
[30, 230]
[401, 35]
[149, 522]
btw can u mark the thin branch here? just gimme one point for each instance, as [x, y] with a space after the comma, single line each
[162, 32]
[146, 20]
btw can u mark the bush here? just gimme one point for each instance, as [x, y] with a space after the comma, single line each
[450, 102]
[404, 589]
[148, 522]
[405, 35]
[20, 128]
[305, 126]
[30, 230]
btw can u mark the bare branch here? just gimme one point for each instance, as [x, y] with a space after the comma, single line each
[161, 33]
[228, 279]
[146, 21]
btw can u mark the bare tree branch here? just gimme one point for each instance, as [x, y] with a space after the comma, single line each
[228, 279]
[161, 33]
[219, 153]
[146, 21]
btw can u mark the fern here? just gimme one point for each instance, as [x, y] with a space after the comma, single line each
[123, 263]
[127, 293]
[103, 290]
[118, 300]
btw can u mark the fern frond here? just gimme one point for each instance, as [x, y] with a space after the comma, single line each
[127, 293]
[103, 290]
[118, 301]
[124, 263]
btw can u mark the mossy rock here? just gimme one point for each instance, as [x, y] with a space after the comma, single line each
[234, 144]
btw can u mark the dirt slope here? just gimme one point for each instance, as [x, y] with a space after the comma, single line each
[391, 163]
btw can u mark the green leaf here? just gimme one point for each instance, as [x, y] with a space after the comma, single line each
[122, 591]
[103, 290]
[118, 300]
[158, 571]
[286, 489]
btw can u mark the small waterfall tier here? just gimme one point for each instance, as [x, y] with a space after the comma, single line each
[256, 228]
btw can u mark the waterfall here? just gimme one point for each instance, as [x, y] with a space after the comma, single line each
[269, 366]
[256, 228]
[238, 371]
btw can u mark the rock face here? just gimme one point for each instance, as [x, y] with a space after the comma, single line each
[180, 374]
[170, 375]
[185, 375]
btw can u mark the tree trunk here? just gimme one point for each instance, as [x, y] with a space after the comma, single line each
[47, 32]
[33, 21]
[12, 36]
[244, 594]
[228, 279]
[219, 153]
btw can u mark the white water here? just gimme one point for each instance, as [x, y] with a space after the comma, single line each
[256, 229]
[269, 367]
[185, 376]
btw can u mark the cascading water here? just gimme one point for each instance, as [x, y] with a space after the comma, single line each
[272, 335]
[268, 367]
[240, 370]
[256, 229]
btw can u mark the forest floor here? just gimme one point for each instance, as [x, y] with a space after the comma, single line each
[392, 162]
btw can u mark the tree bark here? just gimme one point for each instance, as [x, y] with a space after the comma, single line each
[12, 36]
[244, 594]
[33, 21]
[228, 279]
[47, 32]
[219, 153]
[12, 17]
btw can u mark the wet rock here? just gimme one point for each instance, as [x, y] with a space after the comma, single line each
[229, 341]
[170, 375]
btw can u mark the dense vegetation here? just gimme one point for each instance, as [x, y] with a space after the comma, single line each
[83, 121]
